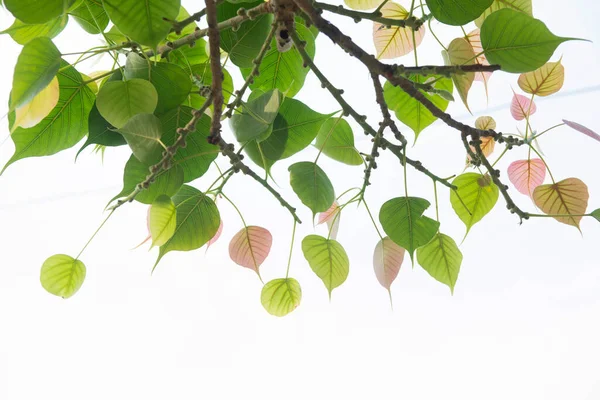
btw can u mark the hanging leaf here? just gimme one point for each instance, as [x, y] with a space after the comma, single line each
[32, 113]
[393, 42]
[457, 12]
[475, 196]
[281, 296]
[582, 129]
[216, 237]
[403, 221]
[257, 116]
[118, 101]
[567, 199]
[523, 6]
[474, 39]
[441, 258]
[526, 175]
[23, 33]
[91, 16]
[336, 140]
[312, 186]
[485, 123]
[143, 133]
[363, 4]
[163, 220]
[62, 275]
[250, 247]
[544, 81]
[100, 132]
[187, 57]
[521, 107]
[332, 217]
[518, 42]
[35, 11]
[327, 258]
[460, 52]
[146, 22]
[387, 260]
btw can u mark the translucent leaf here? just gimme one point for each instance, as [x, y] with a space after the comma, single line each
[250, 247]
[163, 220]
[62, 275]
[32, 113]
[568, 199]
[488, 145]
[475, 197]
[143, 133]
[460, 52]
[281, 296]
[91, 16]
[485, 123]
[363, 4]
[118, 101]
[332, 217]
[523, 6]
[474, 38]
[36, 11]
[582, 129]
[336, 140]
[457, 12]
[441, 258]
[216, 237]
[544, 81]
[23, 33]
[327, 258]
[256, 117]
[312, 186]
[526, 175]
[395, 41]
[521, 107]
[387, 260]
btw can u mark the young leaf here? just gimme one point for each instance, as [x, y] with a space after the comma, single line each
[143, 133]
[567, 199]
[582, 129]
[526, 175]
[387, 260]
[312, 186]
[91, 16]
[488, 144]
[474, 198]
[336, 140]
[62, 275]
[281, 296]
[393, 42]
[118, 101]
[521, 107]
[544, 81]
[523, 6]
[474, 39]
[362, 4]
[163, 220]
[256, 117]
[146, 22]
[327, 258]
[403, 221]
[460, 52]
[517, 42]
[32, 113]
[457, 12]
[485, 123]
[36, 66]
[216, 237]
[441, 258]
[332, 217]
[250, 247]
[23, 33]
[35, 11]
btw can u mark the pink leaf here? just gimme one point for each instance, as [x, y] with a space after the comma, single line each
[526, 175]
[331, 217]
[582, 129]
[387, 259]
[522, 107]
[216, 237]
[250, 247]
[475, 39]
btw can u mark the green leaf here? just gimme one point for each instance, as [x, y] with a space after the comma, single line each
[188, 57]
[523, 6]
[281, 296]
[409, 110]
[172, 83]
[197, 221]
[328, 259]
[441, 258]
[118, 101]
[518, 42]
[203, 76]
[62, 275]
[91, 16]
[256, 117]
[101, 132]
[596, 214]
[195, 158]
[36, 11]
[64, 127]
[145, 21]
[163, 220]
[168, 182]
[23, 33]
[243, 44]
[475, 196]
[143, 133]
[336, 140]
[460, 52]
[457, 12]
[283, 71]
[403, 221]
[36, 66]
[312, 186]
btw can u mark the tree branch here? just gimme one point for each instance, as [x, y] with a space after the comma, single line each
[214, 42]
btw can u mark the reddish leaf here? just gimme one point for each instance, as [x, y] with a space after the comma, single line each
[526, 175]
[475, 39]
[216, 237]
[250, 247]
[566, 200]
[522, 107]
[331, 217]
[582, 129]
[393, 42]
[387, 259]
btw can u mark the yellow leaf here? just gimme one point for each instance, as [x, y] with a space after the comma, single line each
[460, 52]
[395, 41]
[566, 200]
[363, 4]
[485, 123]
[544, 81]
[32, 113]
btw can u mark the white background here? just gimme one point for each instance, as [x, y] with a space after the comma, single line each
[523, 322]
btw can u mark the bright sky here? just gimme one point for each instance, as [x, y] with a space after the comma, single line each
[523, 322]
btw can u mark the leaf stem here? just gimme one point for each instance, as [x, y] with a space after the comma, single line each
[94, 235]
[287, 272]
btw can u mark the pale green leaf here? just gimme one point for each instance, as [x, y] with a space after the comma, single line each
[475, 197]
[36, 11]
[142, 133]
[23, 33]
[281, 296]
[91, 16]
[336, 140]
[163, 220]
[256, 117]
[460, 52]
[328, 259]
[523, 6]
[441, 258]
[62, 275]
[118, 101]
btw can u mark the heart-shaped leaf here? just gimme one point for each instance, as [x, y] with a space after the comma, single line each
[485, 123]
[281, 296]
[474, 38]
[216, 237]
[362, 4]
[567, 200]
[395, 41]
[91, 16]
[23, 33]
[32, 113]
[441, 258]
[387, 260]
[163, 220]
[521, 107]
[327, 258]
[37, 12]
[256, 117]
[312, 186]
[523, 6]
[62, 275]
[544, 81]
[460, 52]
[118, 101]
[332, 217]
[475, 196]
[250, 247]
[526, 175]
[457, 12]
[143, 133]
[336, 140]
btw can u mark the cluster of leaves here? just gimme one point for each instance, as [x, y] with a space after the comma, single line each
[157, 100]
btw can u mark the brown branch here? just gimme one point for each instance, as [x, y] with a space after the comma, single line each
[214, 42]
[444, 70]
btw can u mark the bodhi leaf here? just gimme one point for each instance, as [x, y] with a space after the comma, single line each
[387, 260]
[197, 221]
[186, 56]
[64, 127]
[523, 6]
[250, 247]
[580, 128]
[485, 123]
[162, 220]
[118, 101]
[146, 22]
[566, 200]
[312, 186]
[403, 221]
[143, 132]
[526, 175]
[395, 41]
[37, 12]
[441, 258]
[409, 110]
[362, 4]
[460, 52]
[521, 107]
[101, 132]
[544, 81]
[332, 217]
[30, 114]
[216, 237]
[91, 16]
[256, 117]
[517, 42]
[281, 296]
[327, 258]
[62, 275]
[474, 197]
[336, 140]
[596, 214]
[457, 12]
[23, 33]
[36, 66]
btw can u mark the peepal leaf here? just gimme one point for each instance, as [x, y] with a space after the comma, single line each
[35, 11]
[118, 101]
[485, 123]
[395, 41]
[256, 117]
[23, 33]
[460, 52]
[478, 194]
[521, 107]
[216, 237]
[312, 186]
[362, 4]
[328, 260]
[332, 219]
[32, 113]
[162, 220]
[62, 275]
[566, 200]
[250, 247]
[281, 296]
[457, 12]
[526, 175]
[544, 81]
[523, 6]
[441, 258]
[387, 260]
[582, 129]
[336, 140]
[91, 16]
[143, 132]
